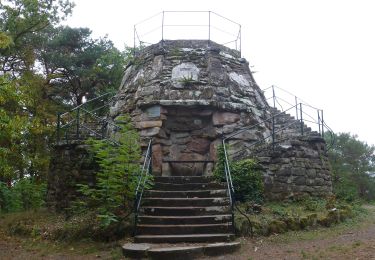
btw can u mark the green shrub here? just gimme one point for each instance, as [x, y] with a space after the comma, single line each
[246, 176]
[113, 194]
[345, 190]
[24, 194]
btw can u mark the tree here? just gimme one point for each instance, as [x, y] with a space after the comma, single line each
[78, 66]
[25, 128]
[353, 163]
[20, 24]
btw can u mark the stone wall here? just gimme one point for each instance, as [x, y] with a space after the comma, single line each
[296, 169]
[186, 95]
[71, 164]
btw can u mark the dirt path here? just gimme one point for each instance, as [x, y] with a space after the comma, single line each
[341, 242]
[344, 241]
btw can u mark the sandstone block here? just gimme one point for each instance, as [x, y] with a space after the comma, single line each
[223, 118]
[149, 124]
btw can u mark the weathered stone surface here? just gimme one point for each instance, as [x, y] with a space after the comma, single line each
[149, 124]
[185, 71]
[148, 132]
[187, 96]
[157, 159]
[222, 118]
[199, 145]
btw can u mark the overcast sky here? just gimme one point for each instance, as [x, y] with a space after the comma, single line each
[321, 50]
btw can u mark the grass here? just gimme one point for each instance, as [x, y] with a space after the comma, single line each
[362, 218]
[44, 232]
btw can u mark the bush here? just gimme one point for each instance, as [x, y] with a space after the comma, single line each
[246, 176]
[24, 194]
[113, 193]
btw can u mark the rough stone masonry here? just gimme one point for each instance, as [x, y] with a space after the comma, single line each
[186, 95]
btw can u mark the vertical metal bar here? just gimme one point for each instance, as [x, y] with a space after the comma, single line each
[273, 132]
[77, 120]
[58, 127]
[322, 123]
[296, 100]
[320, 133]
[209, 27]
[150, 165]
[300, 105]
[162, 27]
[103, 129]
[240, 42]
[274, 97]
[134, 44]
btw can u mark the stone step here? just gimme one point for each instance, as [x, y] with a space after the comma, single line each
[186, 194]
[194, 238]
[187, 186]
[184, 202]
[184, 211]
[183, 229]
[184, 179]
[171, 251]
[184, 220]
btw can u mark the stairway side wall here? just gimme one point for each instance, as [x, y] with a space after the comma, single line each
[71, 164]
[297, 169]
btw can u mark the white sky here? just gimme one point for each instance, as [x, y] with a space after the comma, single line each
[321, 50]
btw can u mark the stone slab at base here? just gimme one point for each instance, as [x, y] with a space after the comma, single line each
[172, 251]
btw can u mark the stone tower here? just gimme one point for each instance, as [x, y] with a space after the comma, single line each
[188, 94]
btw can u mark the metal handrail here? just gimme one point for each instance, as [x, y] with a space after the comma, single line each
[229, 181]
[75, 120]
[258, 124]
[85, 104]
[227, 171]
[142, 178]
[161, 25]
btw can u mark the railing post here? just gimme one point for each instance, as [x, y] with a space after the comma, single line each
[77, 120]
[322, 123]
[273, 132]
[240, 42]
[320, 133]
[58, 127]
[296, 100]
[209, 27]
[300, 105]
[150, 165]
[273, 96]
[162, 27]
[134, 44]
[103, 129]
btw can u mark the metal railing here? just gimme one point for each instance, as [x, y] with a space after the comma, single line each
[278, 122]
[86, 120]
[179, 25]
[143, 177]
[280, 98]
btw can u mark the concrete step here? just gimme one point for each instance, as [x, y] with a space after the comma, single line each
[184, 220]
[187, 186]
[184, 202]
[184, 179]
[183, 229]
[186, 194]
[194, 238]
[184, 211]
[171, 251]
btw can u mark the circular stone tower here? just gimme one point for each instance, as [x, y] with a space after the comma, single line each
[186, 94]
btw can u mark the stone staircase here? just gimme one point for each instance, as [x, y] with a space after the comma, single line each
[287, 126]
[189, 209]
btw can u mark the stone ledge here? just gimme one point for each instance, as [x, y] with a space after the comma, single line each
[175, 251]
